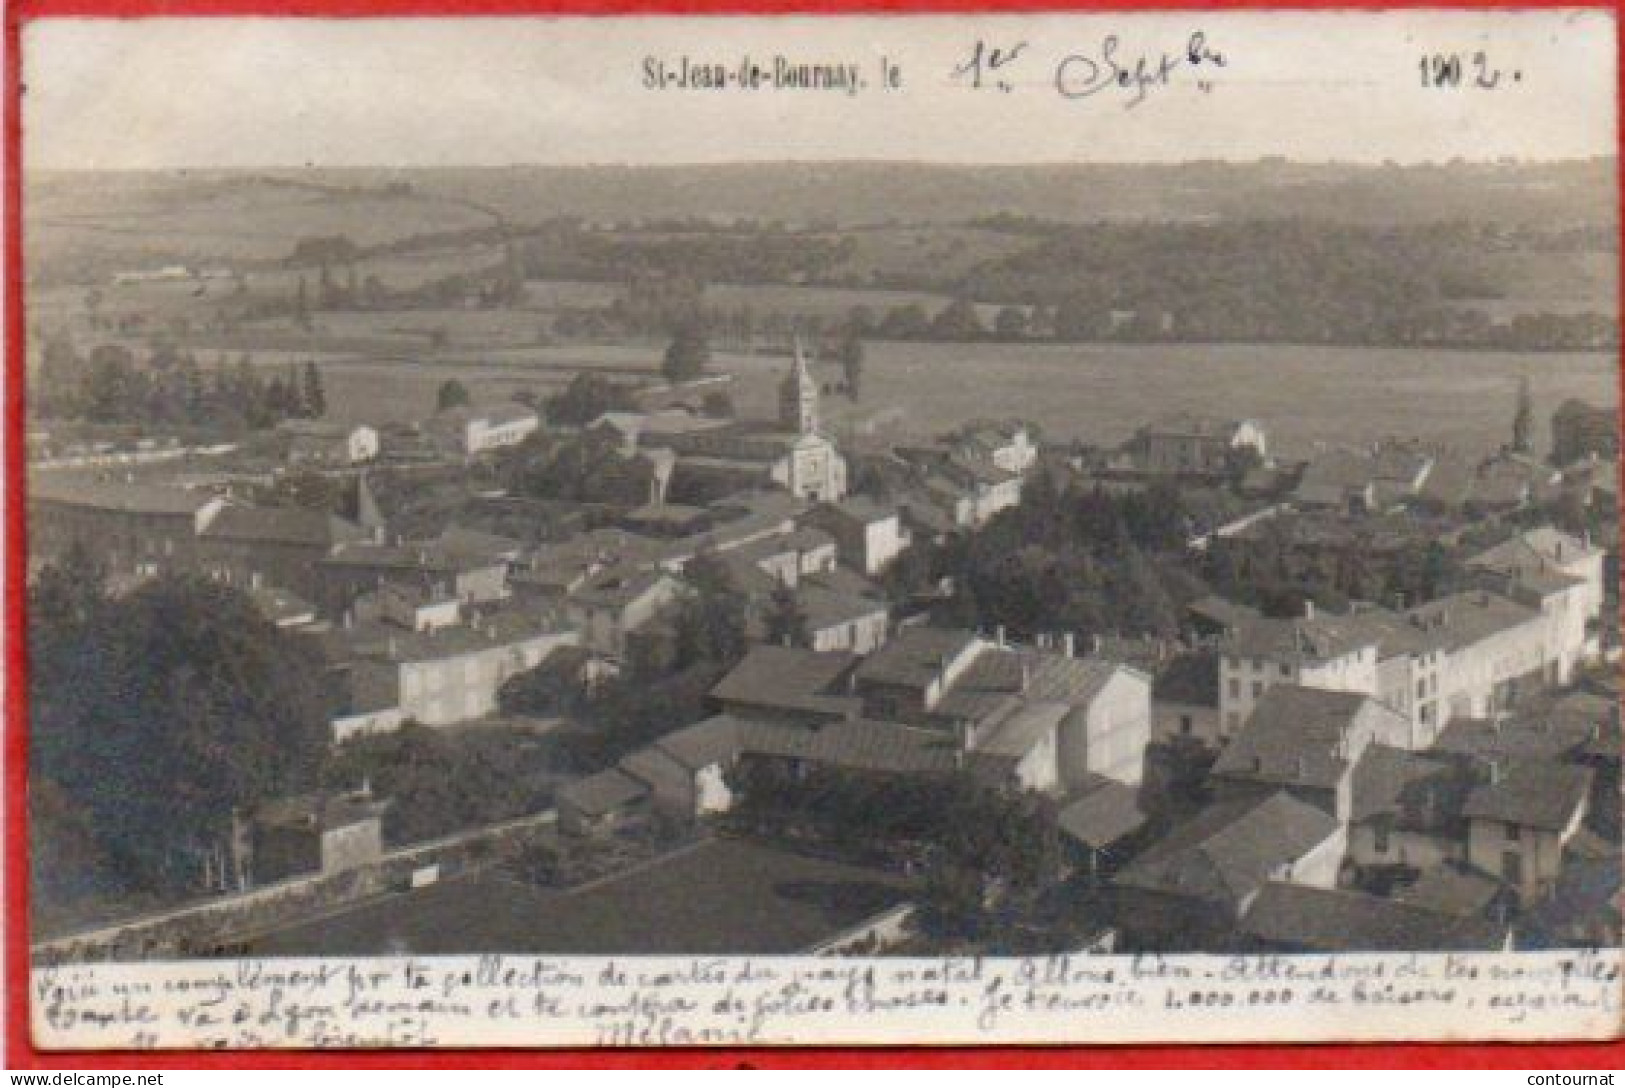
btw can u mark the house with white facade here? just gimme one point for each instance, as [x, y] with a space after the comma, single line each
[1313, 650]
[468, 431]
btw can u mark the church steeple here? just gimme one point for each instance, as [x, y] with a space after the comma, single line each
[798, 395]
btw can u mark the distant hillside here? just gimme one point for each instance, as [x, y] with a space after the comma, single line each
[876, 192]
[80, 227]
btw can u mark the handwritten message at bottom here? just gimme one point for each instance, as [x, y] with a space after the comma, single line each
[664, 1001]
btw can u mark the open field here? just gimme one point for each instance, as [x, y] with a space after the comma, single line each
[723, 896]
[1094, 393]
[379, 367]
[220, 219]
[1100, 393]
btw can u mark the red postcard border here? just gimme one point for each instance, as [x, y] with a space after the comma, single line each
[20, 1052]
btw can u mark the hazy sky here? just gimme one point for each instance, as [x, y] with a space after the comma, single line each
[261, 92]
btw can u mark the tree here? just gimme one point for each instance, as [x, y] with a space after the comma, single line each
[313, 394]
[112, 384]
[160, 713]
[587, 397]
[907, 321]
[687, 356]
[1010, 323]
[552, 688]
[452, 394]
[958, 321]
[438, 784]
[1523, 420]
[301, 305]
[851, 356]
[785, 621]
[711, 617]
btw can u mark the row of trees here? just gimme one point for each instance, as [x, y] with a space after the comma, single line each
[1297, 280]
[109, 385]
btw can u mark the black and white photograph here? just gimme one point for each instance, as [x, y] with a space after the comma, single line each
[1000, 513]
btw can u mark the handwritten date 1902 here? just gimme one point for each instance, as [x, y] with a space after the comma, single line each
[1449, 71]
[1080, 75]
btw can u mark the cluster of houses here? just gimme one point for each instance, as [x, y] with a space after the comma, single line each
[1374, 780]
[1415, 753]
[930, 702]
[429, 629]
[1421, 776]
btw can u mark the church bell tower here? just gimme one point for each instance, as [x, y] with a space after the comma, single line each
[798, 396]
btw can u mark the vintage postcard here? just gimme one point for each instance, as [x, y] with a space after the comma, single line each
[855, 529]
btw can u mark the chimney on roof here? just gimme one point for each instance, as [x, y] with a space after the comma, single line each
[1308, 609]
[1069, 644]
[998, 636]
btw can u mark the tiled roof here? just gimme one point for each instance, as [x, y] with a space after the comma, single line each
[1106, 814]
[914, 656]
[1391, 632]
[1318, 638]
[859, 744]
[281, 525]
[844, 580]
[712, 741]
[489, 630]
[1015, 732]
[409, 557]
[826, 608]
[858, 508]
[1543, 737]
[1417, 791]
[1328, 920]
[130, 498]
[1545, 796]
[618, 587]
[1451, 890]
[998, 677]
[1230, 849]
[603, 792]
[789, 677]
[1464, 619]
[458, 540]
[1295, 735]
[1536, 548]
